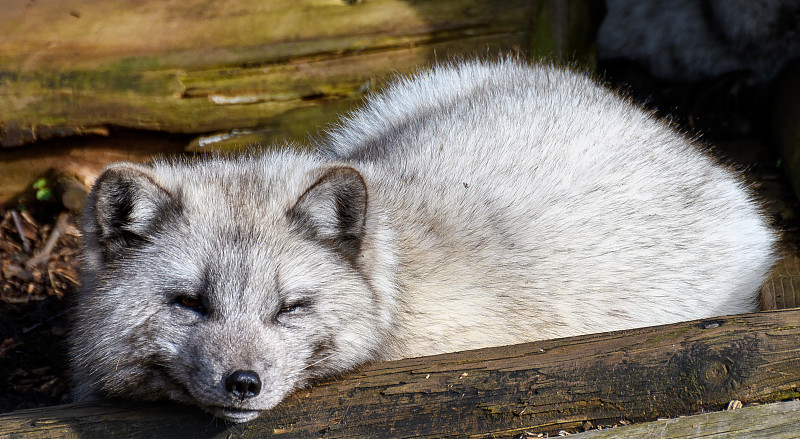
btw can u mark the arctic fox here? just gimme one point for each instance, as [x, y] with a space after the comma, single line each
[471, 205]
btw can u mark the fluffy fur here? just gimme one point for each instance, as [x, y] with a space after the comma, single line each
[471, 205]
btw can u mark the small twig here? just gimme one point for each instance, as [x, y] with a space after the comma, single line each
[29, 219]
[53, 272]
[6, 218]
[18, 224]
[52, 240]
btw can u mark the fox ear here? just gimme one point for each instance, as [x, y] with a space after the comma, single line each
[126, 204]
[333, 210]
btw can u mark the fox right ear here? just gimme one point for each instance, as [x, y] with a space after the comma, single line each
[333, 210]
[125, 205]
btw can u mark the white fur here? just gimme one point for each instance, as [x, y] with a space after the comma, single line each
[542, 206]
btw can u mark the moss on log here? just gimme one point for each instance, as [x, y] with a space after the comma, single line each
[75, 66]
[504, 392]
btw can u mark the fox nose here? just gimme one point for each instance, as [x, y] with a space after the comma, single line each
[243, 384]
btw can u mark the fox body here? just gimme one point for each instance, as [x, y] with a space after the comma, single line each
[475, 204]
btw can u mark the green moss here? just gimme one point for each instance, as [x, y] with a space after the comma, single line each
[784, 395]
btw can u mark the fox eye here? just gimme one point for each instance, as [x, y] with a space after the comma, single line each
[289, 308]
[192, 303]
[292, 308]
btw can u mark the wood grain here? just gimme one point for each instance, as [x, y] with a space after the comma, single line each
[195, 66]
[503, 392]
[780, 420]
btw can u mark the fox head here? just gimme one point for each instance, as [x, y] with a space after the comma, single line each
[226, 283]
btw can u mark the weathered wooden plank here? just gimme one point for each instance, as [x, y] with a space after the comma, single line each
[541, 387]
[780, 420]
[196, 66]
[782, 289]
[112, 420]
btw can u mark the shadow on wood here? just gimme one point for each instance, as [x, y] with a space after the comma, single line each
[541, 387]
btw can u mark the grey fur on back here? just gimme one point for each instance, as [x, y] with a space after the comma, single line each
[472, 205]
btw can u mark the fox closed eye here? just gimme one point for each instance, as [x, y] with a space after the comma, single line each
[293, 308]
[193, 303]
[288, 309]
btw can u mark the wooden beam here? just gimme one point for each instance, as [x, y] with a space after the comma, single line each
[503, 392]
[286, 67]
[76, 66]
[780, 420]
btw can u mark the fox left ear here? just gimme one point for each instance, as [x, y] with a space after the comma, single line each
[125, 206]
[333, 210]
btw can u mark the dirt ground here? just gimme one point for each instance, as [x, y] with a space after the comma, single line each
[38, 251]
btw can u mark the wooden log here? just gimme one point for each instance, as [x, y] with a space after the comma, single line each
[76, 66]
[503, 392]
[780, 420]
[197, 66]
[782, 288]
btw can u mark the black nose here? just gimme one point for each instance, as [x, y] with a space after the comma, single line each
[243, 384]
